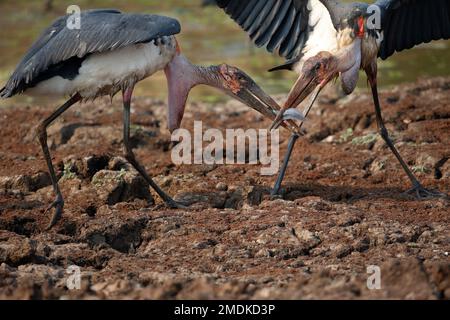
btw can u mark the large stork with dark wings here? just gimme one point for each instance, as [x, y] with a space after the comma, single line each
[326, 39]
[109, 53]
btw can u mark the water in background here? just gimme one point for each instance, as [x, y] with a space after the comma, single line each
[208, 37]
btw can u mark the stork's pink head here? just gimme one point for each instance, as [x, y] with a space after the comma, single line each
[317, 71]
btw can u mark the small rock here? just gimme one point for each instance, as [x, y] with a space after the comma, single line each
[377, 236]
[214, 200]
[205, 244]
[119, 163]
[165, 182]
[221, 186]
[378, 166]
[330, 139]
[341, 251]
[307, 237]
[425, 163]
[273, 236]
[396, 237]
[315, 203]
[263, 253]
[425, 237]
[348, 219]
[297, 264]
[362, 245]
[445, 170]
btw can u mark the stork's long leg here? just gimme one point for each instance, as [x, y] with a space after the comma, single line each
[131, 158]
[292, 140]
[418, 190]
[58, 204]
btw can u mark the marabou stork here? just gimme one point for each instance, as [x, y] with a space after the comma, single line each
[111, 52]
[325, 39]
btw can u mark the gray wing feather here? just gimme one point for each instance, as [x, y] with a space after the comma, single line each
[279, 25]
[101, 30]
[407, 23]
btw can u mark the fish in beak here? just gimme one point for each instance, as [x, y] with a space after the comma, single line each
[317, 72]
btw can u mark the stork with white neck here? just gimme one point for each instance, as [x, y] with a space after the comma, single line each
[326, 39]
[110, 53]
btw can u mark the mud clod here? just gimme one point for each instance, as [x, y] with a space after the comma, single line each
[120, 186]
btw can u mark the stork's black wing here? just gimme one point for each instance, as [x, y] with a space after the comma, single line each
[101, 30]
[406, 23]
[279, 25]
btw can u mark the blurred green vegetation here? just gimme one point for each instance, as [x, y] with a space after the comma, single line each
[208, 37]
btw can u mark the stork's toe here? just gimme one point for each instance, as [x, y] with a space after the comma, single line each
[421, 193]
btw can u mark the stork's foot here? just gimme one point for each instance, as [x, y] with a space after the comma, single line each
[421, 193]
[275, 196]
[171, 204]
[176, 205]
[277, 192]
[58, 204]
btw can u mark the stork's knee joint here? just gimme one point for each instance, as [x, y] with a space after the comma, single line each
[128, 154]
[384, 133]
[41, 132]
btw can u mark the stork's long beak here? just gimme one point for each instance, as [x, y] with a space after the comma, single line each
[253, 96]
[243, 88]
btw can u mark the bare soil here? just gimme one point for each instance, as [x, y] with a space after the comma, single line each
[342, 208]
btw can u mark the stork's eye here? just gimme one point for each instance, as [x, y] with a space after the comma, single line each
[317, 66]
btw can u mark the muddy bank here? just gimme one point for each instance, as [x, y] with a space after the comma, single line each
[342, 208]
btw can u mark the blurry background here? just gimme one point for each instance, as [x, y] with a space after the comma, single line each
[208, 37]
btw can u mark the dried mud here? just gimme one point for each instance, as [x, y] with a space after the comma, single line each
[342, 208]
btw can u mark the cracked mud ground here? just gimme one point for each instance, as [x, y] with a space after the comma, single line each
[342, 208]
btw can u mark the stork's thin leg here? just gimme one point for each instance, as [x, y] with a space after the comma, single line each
[418, 190]
[292, 140]
[131, 158]
[58, 204]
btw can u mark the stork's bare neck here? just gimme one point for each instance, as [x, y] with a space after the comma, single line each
[182, 76]
[191, 74]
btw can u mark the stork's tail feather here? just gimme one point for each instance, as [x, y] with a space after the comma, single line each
[289, 65]
[3, 92]
[282, 67]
